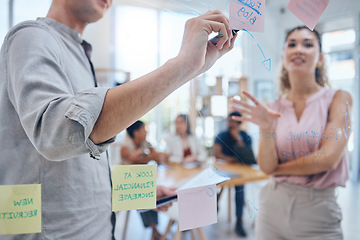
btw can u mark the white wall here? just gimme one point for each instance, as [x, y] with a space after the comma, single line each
[98, 35]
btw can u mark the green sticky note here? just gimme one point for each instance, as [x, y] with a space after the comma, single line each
[20, 209]
[134, 187]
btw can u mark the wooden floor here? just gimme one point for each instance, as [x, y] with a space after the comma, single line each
[348, 198]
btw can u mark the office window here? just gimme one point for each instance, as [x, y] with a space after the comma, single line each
[171, 29]
[338, 40]
[135, 40]
[142, 46]
[30, 10]
[4, 20]
[136, 48]
[22, 10]
[338, 48]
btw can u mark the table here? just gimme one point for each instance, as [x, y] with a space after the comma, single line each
[176, 175]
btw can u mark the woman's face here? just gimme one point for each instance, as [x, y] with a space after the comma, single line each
[302, 52]
[180, 125]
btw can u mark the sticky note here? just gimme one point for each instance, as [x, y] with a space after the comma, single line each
[134, 187]
[197, 207]
[308, 11]
[247, 14]
[20, 209]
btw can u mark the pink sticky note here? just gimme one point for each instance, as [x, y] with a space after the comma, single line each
[308, 11]
[197, 207]
[248, 14]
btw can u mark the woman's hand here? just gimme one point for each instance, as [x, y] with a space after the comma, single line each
[259, 114]
[264, 117]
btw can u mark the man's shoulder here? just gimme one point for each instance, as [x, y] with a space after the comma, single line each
[222, 136]
[33, 33]
[246, 137]
[30, 24]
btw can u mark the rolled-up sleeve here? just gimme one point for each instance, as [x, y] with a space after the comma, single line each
[85, 110]
[57, 117]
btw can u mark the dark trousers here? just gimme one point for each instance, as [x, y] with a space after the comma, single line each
[239, 201]
[149, 218]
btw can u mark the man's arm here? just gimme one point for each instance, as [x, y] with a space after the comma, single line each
[125, 104]
[61, 121]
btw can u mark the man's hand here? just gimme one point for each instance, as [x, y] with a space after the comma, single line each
[197, 53]
[161, 192]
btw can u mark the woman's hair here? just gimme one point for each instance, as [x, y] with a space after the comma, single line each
[186, 119]
[135, 126]
[320, 72]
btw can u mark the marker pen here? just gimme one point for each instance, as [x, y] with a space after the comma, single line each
[215, 39]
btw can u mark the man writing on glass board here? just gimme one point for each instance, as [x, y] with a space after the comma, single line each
[56, 124]
[226, 147]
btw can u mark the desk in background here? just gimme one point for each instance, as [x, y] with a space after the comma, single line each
[175, 175]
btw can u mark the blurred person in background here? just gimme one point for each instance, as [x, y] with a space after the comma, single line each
[224, 149]
[184, 147]
[137, 150]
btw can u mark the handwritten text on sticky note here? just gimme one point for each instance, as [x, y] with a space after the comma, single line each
[308, 11]
[134, 187]
[20, 209]
[247, 14]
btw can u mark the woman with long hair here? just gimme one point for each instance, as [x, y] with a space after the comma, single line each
[303, 139]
